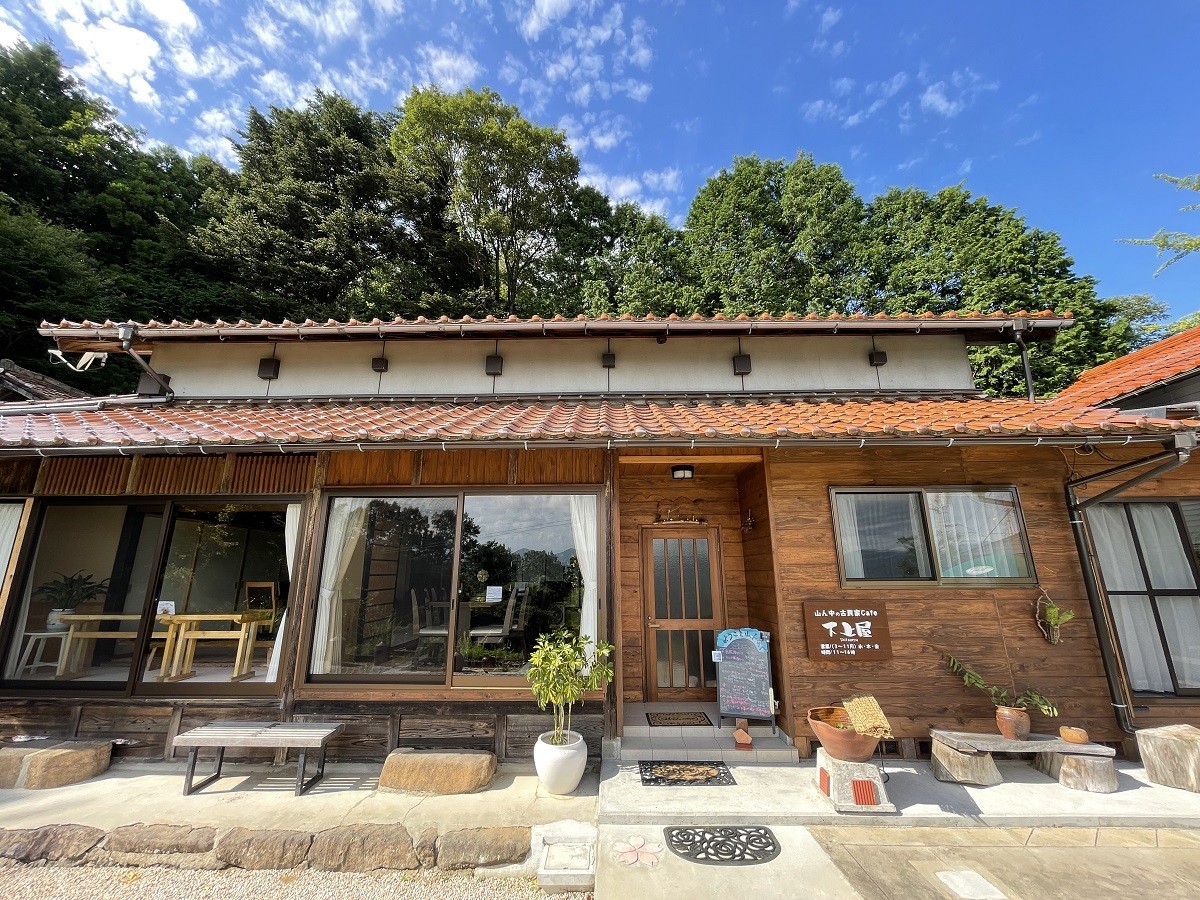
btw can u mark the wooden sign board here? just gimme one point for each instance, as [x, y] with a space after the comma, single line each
[848, 630]
[743, 658]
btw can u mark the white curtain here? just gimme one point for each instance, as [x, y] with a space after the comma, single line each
[345, 528]
[10, 518]
[1141, 648]
[977, 534]
[882, 535]
[847, 511]
[583, 531]
[291, 538]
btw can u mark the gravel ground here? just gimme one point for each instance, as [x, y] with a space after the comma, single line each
[90, 883]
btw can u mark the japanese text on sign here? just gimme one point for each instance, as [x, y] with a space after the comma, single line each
[858, 632]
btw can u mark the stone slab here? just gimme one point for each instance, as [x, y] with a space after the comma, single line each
[155, 839]
[363, 848]
[52, 843]
[437, 771]
[970, 741]
[467, 848]
[12, 759]
[68, 763]
[1171, 755]
[567, 866]
[247, 848]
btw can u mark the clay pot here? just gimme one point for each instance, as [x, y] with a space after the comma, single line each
[845, 744]
[1013, 723]
[1072, 735]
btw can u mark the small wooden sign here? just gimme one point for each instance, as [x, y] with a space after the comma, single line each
[849, 630]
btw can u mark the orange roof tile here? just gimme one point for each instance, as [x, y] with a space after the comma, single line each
[1163, 361]
[191, 424]
[996, 325]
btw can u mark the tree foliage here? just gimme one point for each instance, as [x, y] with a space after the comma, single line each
[1178, 243]
[456, 204]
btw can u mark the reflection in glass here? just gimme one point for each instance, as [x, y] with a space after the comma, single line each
[882, 536]
[383, 606]
[528, 567]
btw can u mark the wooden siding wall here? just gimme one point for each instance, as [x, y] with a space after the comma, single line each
[465, 467]
[991, 628]
[18, 476]
[88, 476]
[758, 554]
[716, 499]
[1181, 483]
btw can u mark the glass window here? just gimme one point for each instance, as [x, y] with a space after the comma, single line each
[528, 567]
[223, 594]
[1147, 562]
[84, 595]
[383, 607]
[974, 535]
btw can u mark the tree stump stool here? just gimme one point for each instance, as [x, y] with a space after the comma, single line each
[1171, 755]
[1081, 773]
[963, 767]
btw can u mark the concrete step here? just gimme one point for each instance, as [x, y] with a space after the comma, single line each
[767, 750]
[643, 729]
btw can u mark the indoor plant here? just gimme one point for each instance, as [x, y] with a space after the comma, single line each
[562, 668]
[1011, 718]
[65, 593]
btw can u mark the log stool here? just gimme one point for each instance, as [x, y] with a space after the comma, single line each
[1081, 773]
[1171, 755]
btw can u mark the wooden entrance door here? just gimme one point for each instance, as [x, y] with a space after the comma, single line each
[684, 610]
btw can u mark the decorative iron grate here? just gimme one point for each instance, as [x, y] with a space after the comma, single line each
[741, 845]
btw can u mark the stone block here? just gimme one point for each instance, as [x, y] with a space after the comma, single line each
[68, 763]
[425, 846]
[249, 848]
[1171, 755]
[363, 848]
[50, 842]
[437, 771]
[852, 786]
[471, 847]
[13, 758]
[153, 839]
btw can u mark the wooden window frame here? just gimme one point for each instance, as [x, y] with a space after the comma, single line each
[936, 579]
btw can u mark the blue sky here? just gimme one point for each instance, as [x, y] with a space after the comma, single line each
[1064, 110]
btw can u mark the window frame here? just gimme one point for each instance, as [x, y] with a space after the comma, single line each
[133, 687]
[314, 685]
[1151, 593]
[937, 579]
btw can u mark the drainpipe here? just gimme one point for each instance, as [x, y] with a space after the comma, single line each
[127, 332]
[1025, 363]
[1166, 461]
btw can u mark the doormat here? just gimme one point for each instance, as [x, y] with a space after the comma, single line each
[743, 845]
[679, 774]
[678, 718]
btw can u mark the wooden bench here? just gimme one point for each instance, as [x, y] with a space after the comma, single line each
[964, 757]
[304, 736]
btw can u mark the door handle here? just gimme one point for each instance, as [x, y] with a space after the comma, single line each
[652, 624]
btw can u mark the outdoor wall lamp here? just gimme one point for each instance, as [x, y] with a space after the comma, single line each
[493, 365]
[682, 472]
[748, 522]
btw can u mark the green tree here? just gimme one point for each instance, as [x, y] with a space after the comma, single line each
[318, 210]
[509, 179]
[648, 269]
[1178, 243]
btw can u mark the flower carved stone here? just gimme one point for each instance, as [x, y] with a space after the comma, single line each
[637, 850]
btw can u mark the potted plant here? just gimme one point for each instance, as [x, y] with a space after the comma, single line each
[65, 593]
[832, 726]
[1051, 617]
[1011, 718]
[562, 668]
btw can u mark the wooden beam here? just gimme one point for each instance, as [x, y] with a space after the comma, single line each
[739, 459]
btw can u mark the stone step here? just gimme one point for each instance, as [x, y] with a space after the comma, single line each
[773, 750]
[643, 729]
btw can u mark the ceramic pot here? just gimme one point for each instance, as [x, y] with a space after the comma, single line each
[845, 744]
[1012, 722]
[560, 766]
[54, 623]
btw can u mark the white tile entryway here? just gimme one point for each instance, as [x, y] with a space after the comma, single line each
[642, 741]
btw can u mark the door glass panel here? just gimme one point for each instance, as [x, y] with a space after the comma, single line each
[662, 657]
[674, 581]
[660, 578]
[706, 660]
[678, 657]
[693, 659]
[703, 575]
[689, 579]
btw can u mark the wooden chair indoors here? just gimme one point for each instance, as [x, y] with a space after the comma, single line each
[261, 595]
[498, 634]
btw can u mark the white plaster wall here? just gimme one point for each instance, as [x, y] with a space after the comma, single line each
[455, 366]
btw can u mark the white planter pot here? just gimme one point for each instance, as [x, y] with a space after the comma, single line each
[54, 623]
[560, 767]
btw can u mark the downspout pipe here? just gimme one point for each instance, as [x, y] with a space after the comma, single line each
[1171, 459]
[1025, 364]
[127, 332]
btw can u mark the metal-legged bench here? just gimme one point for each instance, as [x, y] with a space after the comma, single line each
[304, 736]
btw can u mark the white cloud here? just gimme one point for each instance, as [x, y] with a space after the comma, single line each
[816, 110]
[965, 167]
[217, 63]
[116, 55]
[266, 29]
[633, 89]
[280, 89]
[450, 69]
[629, 188]
[1029, 139]
[601, 131]
[843, 86]
[174, 15]
[909, 163]
[541, 15]
[792, 7]
[667, 181]
[9, 36]
[935, 100]
[889, 88]
[331, 21]
[950, 99]
[829, 18]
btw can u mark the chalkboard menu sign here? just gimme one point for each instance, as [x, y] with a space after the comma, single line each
[743, 658]
[850, 631]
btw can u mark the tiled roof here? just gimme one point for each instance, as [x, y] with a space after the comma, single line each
[103, 335]
[34, 385]
[190, 424]
[1166, 360]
